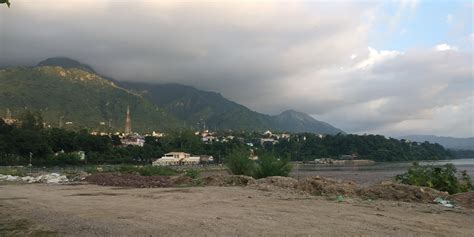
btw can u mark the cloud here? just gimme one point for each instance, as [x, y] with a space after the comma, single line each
[310, 56]
[444, 47]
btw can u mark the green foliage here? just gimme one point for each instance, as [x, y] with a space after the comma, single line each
[192, 173]
[267, 164]
[466, 183]
[270, 165]
[460, 154]
[307, 146]
[31, 120]
[81, 97]
[13, 171]
[65, 159]
[440, 178]
[239, 163]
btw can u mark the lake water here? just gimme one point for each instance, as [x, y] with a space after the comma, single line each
[370, 174]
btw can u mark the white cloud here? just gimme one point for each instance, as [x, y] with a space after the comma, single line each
[376, 57]
[445, 47]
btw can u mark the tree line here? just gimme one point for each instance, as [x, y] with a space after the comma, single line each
[55, 146]
[304, 147]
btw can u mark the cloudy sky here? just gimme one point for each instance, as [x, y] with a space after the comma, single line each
[394, 68]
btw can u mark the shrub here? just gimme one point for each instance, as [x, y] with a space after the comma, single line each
[267, 164]
[192, 173]
[66, 159]
[13, 171]
[239, 163]
[466, 183]
[440, 178]
[270, 165]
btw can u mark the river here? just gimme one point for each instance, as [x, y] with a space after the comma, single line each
[374, 173]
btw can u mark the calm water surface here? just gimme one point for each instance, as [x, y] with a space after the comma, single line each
[370, 174]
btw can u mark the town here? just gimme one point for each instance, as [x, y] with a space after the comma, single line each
[198, 147]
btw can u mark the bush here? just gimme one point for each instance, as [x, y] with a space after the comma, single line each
[13, 171]
[65, 159]
[267, 164]
[239, 163]
[440, 178]
[270, 165]
[192, 173]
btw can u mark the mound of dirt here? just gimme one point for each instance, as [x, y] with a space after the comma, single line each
[401, 192]
[273, 183]
[465, 200]
[325, 186]
[132, 180]
[227, 180]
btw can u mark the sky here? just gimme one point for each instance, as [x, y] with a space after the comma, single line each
[385, 67]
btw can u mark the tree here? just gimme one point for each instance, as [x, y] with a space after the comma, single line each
[239, 162]
[270, 165]
[31, 120]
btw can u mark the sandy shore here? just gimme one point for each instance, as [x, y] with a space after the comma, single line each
[89, 210]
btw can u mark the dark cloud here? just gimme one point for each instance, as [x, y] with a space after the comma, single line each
[310, 56]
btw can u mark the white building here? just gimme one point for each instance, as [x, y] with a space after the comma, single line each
[134, 140]
[177, 158]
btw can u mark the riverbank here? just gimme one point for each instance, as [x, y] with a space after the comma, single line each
[90, 210]
[373, 173]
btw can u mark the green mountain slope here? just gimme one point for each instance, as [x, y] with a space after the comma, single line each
[65, 87]
[294, 121]
[202, 108]
[80, 97]
[197, 106]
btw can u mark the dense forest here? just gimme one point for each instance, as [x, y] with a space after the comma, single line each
[58, 146]
[54, 146]
[373, 147]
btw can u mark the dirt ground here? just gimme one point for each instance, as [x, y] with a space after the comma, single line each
[90, 210]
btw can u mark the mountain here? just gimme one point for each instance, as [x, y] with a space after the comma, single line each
[197, 107]
[80, 97]
[294, 121]
[65, 63]
[447, 142]
[63, 87]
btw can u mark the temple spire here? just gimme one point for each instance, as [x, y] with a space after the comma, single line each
[128, 122]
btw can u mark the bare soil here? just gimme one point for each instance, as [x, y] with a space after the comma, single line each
[137, 181]
[91, 210]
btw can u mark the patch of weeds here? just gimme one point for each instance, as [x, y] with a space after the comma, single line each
[197, 182]
[13, 171]
[441, 178]
[192, 173]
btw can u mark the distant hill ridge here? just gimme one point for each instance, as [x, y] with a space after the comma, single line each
[447, 142]
[62, 86]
